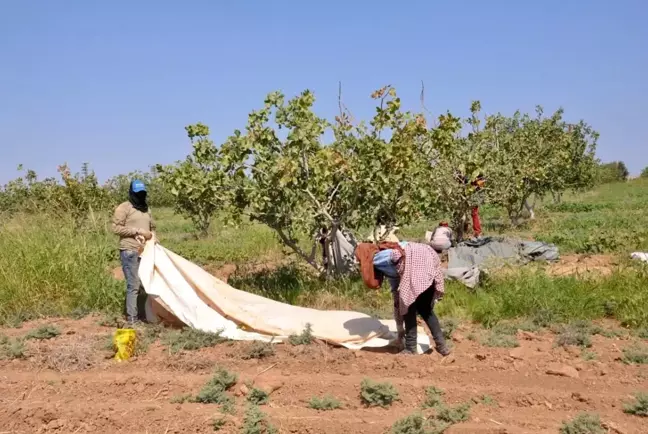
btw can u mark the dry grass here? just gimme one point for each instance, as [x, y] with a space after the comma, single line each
[77, 355]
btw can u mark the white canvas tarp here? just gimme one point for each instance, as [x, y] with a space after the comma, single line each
[180, 290]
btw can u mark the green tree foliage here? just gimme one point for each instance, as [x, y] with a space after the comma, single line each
[201, 183]
[395, 169]
[76, 194]
[537, 155]
[158, 195]
[644, 172]
[615, 171]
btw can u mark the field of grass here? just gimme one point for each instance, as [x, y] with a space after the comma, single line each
[47, 267]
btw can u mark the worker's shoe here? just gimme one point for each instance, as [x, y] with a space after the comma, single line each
[407, 352]
[443, 350]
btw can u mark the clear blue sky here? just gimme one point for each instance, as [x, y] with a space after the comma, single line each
[113, 83]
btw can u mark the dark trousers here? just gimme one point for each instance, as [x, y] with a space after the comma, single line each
[423, 306]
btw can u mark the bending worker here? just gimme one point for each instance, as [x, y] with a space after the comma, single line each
[133, 224]
[416, 278]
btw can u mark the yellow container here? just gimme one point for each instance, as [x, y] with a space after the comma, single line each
[124, 342]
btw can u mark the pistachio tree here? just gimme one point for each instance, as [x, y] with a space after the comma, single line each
[295, 185]
[536, 156]
[200, 184]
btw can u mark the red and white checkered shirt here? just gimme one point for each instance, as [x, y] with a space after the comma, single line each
[419, 271]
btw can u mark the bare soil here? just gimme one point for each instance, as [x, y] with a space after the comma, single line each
[70, 384]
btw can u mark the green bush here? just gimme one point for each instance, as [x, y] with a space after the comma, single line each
[44, 332]
[256, 422]
[375, 394]
[214, 391]
[636, 354]
[639, 407]
[324, 403]
[190, 339]
[433, 397]
[258, 396]
[304, 338]
[584, 423]
[258, 350]
[11, 348]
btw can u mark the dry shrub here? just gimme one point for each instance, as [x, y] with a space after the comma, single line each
[76, 355]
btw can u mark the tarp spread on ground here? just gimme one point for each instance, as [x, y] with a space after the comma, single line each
[181, 291]
[492, 252]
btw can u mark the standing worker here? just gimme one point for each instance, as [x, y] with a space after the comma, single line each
[133, 224]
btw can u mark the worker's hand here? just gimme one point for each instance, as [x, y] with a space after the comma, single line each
[401, 335]
[146, 234]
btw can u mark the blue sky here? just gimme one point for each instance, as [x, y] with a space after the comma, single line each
[114, 83]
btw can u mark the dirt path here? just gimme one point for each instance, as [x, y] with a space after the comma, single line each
[98, 395]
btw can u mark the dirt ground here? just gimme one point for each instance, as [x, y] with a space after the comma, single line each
[70, 384]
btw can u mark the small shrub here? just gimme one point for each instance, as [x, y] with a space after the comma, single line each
[636, 354]
[218, 424]
[214, 391]
[44, 332]
[643, 333]
[584, 423]
[180, 399]
[112, 321]
[454, 415]
[449, 325]
[11, 348]
[575, 334]
[375, 394]
[413, 424]
[258, 396]
[228, 407]
[588, 355]
[639, 407]
[190, 339]
[486, 400]
[304, 338]
[146, 335]
[543, 317]
[508, 329]
[433, 397]
[497, 340]
[258, 350]
[256, 422]
[324, 403]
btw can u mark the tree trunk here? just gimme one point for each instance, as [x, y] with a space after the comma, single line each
[529, 207]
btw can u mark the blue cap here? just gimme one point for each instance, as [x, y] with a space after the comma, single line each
[137, 186]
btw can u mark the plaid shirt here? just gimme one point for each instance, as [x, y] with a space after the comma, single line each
[418, 272]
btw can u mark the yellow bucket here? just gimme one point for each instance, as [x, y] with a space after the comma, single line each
[124, 343]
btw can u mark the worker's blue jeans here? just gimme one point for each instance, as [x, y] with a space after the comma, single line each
[130, 265]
